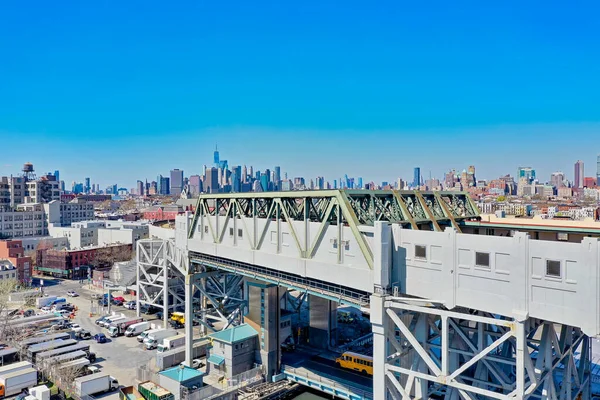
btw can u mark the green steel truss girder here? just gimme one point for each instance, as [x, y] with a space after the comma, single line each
[351, 208]
[410, 208]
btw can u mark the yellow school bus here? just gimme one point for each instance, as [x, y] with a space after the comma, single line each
[355, 362]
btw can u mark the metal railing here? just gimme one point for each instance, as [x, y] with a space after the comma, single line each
[342, 293]
[235, 383]
[325, 380]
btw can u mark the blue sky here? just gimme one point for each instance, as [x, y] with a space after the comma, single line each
[120, 91]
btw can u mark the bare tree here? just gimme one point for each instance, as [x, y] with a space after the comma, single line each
[7, 286]
[63, 377]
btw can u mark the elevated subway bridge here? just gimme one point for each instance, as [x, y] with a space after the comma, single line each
[468, 316]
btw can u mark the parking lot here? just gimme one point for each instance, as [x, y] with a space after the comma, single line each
[118, 356]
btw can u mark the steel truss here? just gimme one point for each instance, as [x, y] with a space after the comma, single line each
[216, 301]
[352, 208]
[471, 355]
[159, 282]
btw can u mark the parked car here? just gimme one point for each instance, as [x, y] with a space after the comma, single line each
[68, 307]
[64, 313]
[103, 302]
[131, 305]
[101, 319]
[119, 298]
[117, 302]
[45, 310]
[100, 338]
[72, 293]
[76, 328]
[196, 363]
[83, 334]
[148, 309]
[63, 324]
[28, 313]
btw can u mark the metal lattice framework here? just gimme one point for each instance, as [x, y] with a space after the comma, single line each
[162, 269]
[470, 355]
[352, 208]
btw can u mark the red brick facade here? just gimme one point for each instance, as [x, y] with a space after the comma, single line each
[13, 251]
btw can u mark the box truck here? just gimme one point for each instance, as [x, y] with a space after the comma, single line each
[118, 328]
[171, 343]
[15, 367]
[106, 323]
[154, 339]
[95, 383]
[136, 329]
[142, 336]
[14, 382]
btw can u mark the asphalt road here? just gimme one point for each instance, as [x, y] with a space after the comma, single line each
[118, 356]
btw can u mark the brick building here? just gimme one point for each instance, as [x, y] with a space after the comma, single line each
[163, 213]
[13, 251]
[75, 264]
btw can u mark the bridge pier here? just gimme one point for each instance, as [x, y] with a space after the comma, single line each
[471, 354]
[323, 322]
[263, 315]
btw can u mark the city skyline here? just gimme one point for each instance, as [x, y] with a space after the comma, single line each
[495, 86]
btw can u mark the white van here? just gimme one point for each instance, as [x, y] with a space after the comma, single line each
[142, 336]
[136, 329]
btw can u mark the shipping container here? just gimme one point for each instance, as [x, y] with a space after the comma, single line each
[151, 391]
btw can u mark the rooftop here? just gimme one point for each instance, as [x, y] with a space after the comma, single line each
[234, 334]
[181, 373]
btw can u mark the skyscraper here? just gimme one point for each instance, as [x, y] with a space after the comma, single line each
[211, 180]
[176, 181]
[578, 182]
[277, 178]
[557, 179]
[527, 173]
[417, 177]
[236, 179]
[195, 184]
[598, 170]
[140, 188]
[216, 157]
[57, 174]
[88, 188]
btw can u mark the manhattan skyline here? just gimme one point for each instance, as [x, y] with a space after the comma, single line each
[373, 91]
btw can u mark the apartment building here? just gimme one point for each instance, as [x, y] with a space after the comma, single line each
[7, 270]
[76, 210]
[13, 251]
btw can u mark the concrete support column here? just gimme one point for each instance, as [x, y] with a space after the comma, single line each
[264, 316]
[189, 319]
[165, 291]
[323, 322]
[137, 282]
[379, 327]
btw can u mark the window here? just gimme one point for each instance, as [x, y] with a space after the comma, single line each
[420, 251]
[482, 259]
[562, 236]
[240, 233]
[553, 268]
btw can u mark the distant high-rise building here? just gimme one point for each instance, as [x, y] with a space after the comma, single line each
[417, 177]
[360, 182]
[57, 174]
[115, 189]
[264, 181]
[176, 181]
[236, 179]
[195, 184]
[140, 188]
[244, 174]
[211, 180]
[163, 185]
[598, 169]
[88, 188]
[578, 182]
[557, 179]
[216, 157]
[526, 172]
[399, 184]
[277, 177]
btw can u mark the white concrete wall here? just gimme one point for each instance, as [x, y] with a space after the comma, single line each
[110, 236]
[160, 233]
[514, 284]
[243, 241]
